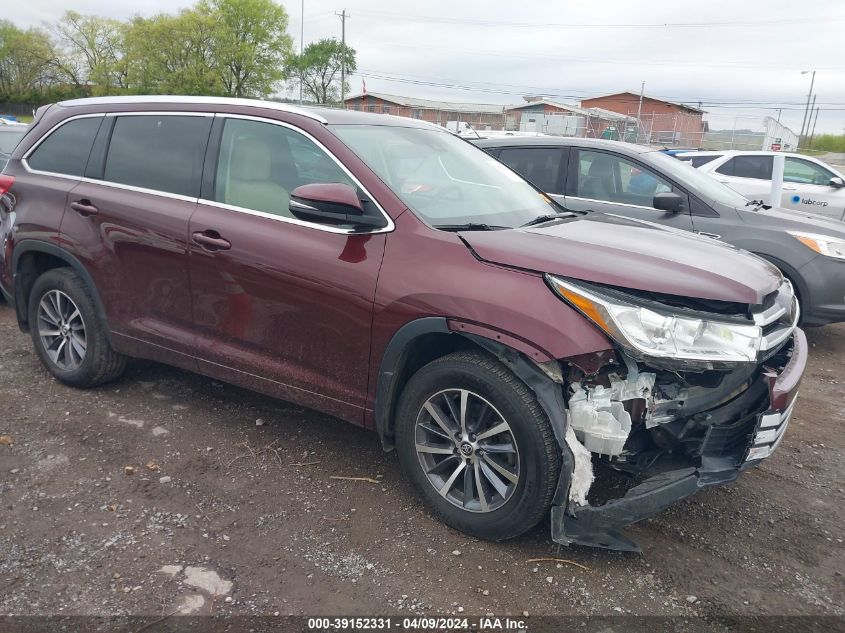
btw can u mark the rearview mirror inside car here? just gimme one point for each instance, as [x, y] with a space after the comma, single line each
[669, 201]
[331, 203]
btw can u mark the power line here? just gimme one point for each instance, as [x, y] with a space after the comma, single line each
[763, 105]
[558, 25]
[522, 89]
[733, 65]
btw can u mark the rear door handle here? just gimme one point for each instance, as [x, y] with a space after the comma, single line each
[211, 240]
[84, 207]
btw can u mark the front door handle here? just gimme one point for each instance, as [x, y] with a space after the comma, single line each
[84, 207]
[211, 241]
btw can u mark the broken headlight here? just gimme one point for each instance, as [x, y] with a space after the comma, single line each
[662, 333]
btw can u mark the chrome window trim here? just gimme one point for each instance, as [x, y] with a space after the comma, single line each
[115, 185]
[109, 183]
[48, 134]
[177, 100]
[153, 192]
[314, 225]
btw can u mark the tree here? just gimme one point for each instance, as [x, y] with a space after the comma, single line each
[318, 68]
[173, 54]
[91, 51]
[250, 45]
[25, 62]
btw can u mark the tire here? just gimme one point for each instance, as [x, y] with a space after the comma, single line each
[492, 390]
[61, 306]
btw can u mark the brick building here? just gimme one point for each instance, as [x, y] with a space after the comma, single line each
[539, 114]
[481, 116]
[661, 122]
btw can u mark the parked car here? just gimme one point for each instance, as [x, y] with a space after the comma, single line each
[638, 182]
[383, 271]
[808, 183]
[10, 135]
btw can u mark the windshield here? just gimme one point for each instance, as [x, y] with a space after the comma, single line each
[702, 185]
[443, 179]
[9, 139]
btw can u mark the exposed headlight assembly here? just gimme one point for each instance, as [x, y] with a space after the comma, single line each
[823, 244]
[646, 332]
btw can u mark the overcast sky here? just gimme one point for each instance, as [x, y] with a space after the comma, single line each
[731, 55]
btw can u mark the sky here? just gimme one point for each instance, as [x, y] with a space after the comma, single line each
[741, 59]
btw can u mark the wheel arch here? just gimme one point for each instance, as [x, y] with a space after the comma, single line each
[32, 258]
[423, 340]
[794, 276]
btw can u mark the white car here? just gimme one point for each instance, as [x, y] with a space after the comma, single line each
[808, 183]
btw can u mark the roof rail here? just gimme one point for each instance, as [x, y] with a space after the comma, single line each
[257, 103]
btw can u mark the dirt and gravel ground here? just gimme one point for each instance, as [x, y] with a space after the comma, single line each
[232, 508]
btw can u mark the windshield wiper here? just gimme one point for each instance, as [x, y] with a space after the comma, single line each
[547, 218]
[469, 226]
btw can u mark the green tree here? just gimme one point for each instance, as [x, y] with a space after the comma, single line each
[25, 62]
[250, 45]
[90, 52]
[169, 54]
[318, 68]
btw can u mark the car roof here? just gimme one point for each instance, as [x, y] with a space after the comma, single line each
[560, 141]
[325, 115]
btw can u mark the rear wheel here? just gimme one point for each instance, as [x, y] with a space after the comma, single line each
[68, 335]
[477, 446]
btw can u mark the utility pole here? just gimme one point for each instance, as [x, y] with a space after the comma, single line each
[639, 112]
[343, 17]
[804, 123]
[809, 121]
[301, 45]
[813, 133]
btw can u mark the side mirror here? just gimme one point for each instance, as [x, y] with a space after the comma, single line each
[837, 182]
[331, 203]
[669, 201]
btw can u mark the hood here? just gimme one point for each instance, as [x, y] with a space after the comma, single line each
[628, 253]
[791, 220]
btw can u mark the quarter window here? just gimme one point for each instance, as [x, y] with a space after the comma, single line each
[261, 163]
[164, 153]
[538, 165]
[750, 166]
[804, 172]
[611, 178]
[66, 150]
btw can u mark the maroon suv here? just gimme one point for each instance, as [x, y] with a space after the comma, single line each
[382, 270]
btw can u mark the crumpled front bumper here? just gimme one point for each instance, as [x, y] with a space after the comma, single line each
[599, 526]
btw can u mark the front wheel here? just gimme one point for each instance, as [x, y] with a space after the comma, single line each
[477, 446]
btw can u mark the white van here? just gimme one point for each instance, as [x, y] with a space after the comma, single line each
[808, 183]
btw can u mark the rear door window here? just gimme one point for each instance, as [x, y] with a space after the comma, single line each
[751, 166]
[539, 165]
[66, 150]
[160, 152]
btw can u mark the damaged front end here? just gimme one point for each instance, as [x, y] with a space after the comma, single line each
[666, 427]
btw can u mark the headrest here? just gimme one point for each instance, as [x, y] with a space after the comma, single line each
[251, 160]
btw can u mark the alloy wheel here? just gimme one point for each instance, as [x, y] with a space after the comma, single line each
[467, 450]
[62, 330]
